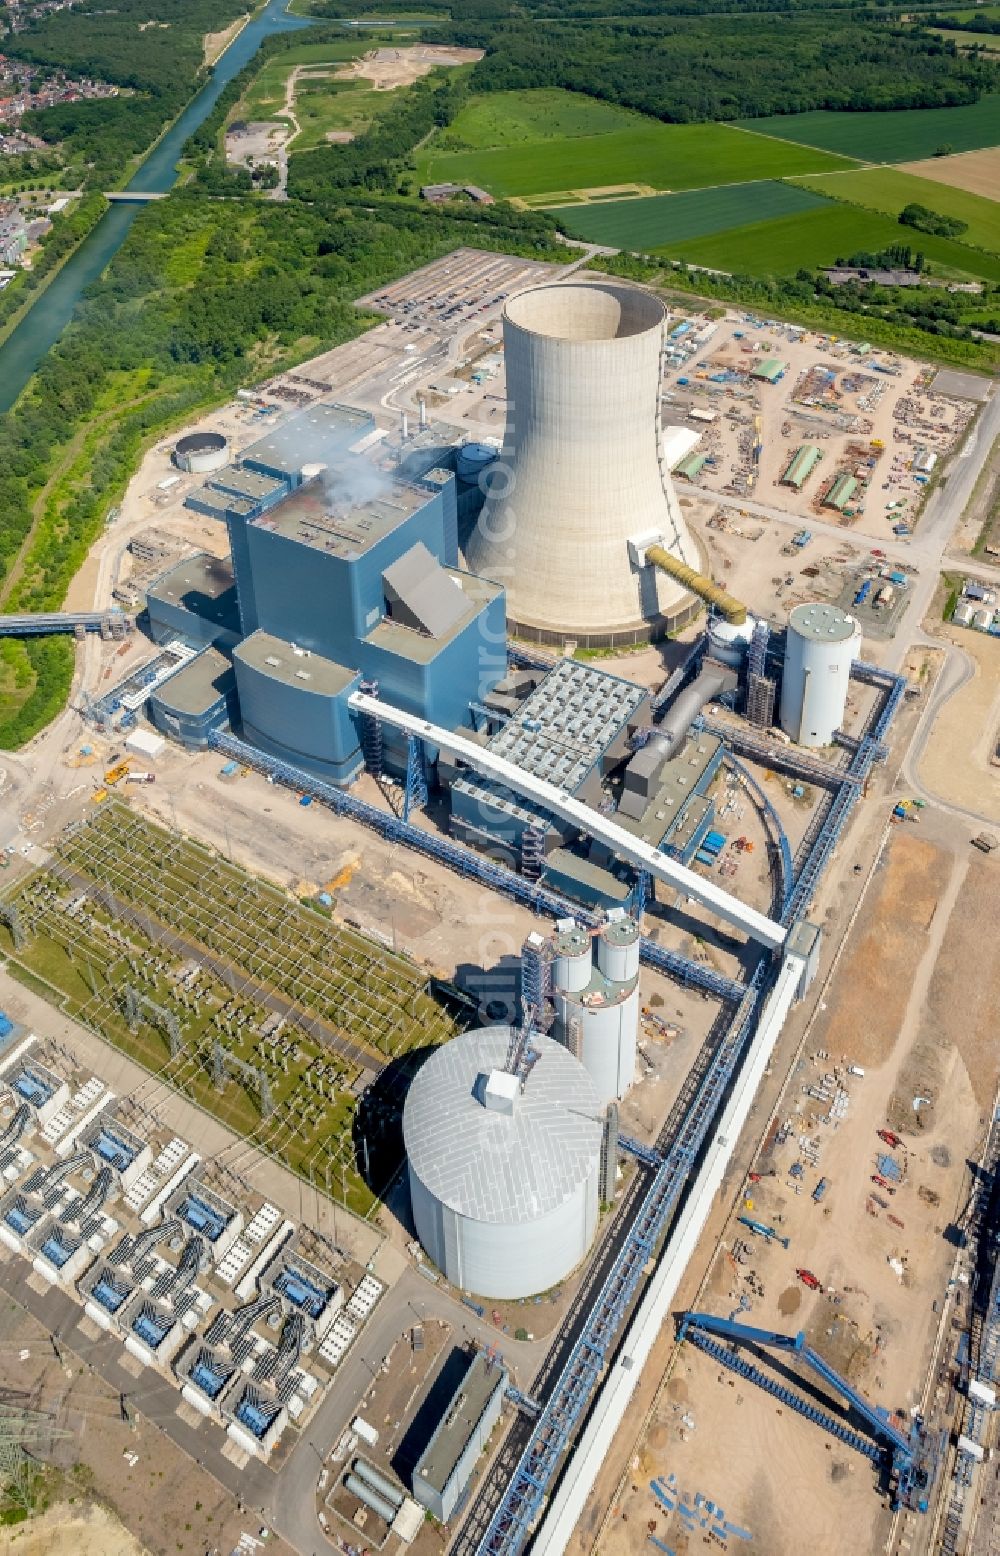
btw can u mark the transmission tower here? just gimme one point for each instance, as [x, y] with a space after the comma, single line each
[134, 1004]
[11, 918]
[20, 1432]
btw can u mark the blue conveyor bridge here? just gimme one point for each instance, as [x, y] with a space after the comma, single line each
[907, 1459]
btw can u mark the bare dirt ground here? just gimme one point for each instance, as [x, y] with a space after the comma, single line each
[88, 1531]
[956, 761]
[896, 998]
[890, 933]
[392, 68]
[976, 171]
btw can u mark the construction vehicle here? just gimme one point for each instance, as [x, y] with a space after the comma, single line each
[809, 1279]
[985, 842]
[889, 1138]
[766, 1232]
[100, 795]
[116, 773]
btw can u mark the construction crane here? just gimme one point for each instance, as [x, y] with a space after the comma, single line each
[909, 1458]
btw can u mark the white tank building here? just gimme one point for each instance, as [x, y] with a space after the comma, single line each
[581, 472]
[201, 452]
[822, 643]
[504, 1167]
[597, 1002]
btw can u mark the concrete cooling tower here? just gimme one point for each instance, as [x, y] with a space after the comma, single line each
[580, 473]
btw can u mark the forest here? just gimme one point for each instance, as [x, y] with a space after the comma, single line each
[731, 68]
[258, 285]
[151, 48]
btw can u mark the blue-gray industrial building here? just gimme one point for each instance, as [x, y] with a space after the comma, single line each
[344, 571]
[341, 570]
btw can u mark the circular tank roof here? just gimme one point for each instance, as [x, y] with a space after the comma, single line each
[822, 623]
[620, 931]
[571, 942]
[200, 443]
[731, 632]
[495, 1166]
[577, 312]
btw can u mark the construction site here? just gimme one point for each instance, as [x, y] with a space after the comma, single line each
[562, 954]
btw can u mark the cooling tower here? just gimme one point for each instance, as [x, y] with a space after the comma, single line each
[580, 471]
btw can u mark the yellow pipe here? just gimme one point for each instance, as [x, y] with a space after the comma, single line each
[732, 609]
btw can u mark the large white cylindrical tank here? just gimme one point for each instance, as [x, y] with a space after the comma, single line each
[618, 947]
[728, 643]
[579, 474]
[504, 1178]
[573, 963]
[821, 645]
[601, 1031]
[201, 452]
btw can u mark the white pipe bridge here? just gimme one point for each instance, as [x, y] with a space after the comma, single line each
[557, 802]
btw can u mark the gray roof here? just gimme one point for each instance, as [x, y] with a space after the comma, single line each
[493, 1166]
[825, 623]
[422, 594]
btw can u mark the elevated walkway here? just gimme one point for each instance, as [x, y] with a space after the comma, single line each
[110, 624]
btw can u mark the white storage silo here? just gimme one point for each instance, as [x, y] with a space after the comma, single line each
[202, 452]
[504, 1178]
[618, 947]
[821, 644]
[600, 1028]
[580, 471]
[573, 962]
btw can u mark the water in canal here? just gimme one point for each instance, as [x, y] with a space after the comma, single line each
[43, 325]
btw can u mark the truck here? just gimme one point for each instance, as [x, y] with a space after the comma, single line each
[889, 1137]
[863, 592]
[820, 1189]
[140, 777]
[985, 842]
[802, 538]
[809, 1279]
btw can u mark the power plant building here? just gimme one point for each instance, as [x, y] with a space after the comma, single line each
[341, 570]
[448, 1462]
[504, 1167]
[581, 472]
[821, 644]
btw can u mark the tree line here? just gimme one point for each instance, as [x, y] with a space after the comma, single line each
[152, 49]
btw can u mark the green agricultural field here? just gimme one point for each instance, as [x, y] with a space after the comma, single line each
[901, 135]
[649, 223]
[547, 113]
[968, 40]
[663, 156]
[885, 189]
[818, 238]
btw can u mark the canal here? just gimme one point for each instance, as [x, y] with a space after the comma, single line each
[42, 326]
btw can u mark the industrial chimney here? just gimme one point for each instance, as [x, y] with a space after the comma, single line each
[580, 472]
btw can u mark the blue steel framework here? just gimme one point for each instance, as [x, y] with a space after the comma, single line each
[476, 866]
[581, 1372]
[415, 793]
[574, 1389]
[904, 1456]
